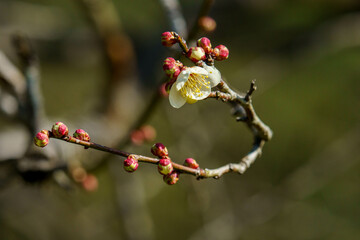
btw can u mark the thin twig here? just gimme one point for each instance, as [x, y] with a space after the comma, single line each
[255, 124]
[199, 173]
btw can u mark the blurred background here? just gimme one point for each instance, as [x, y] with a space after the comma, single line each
[98, 67]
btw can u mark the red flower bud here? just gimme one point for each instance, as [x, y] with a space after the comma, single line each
[159, 150]
[190, 162]
[221, 53]
[168, 39]
[59, 130]
[208, 24]
[165, 166]
[171, 67]
[131, 164]
[42, 138]
[205, 44]
[163, 91]
[196, 54]
[81, 135]
[171, 178]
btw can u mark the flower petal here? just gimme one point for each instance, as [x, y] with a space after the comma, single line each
[199, 70]
[182, 78]
[213, 74]
[175, 98]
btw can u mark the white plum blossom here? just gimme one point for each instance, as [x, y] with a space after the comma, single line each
[193, 84]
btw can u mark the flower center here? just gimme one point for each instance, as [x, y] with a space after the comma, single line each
[195, 85]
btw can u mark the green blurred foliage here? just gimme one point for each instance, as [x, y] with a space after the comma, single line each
[305, 56]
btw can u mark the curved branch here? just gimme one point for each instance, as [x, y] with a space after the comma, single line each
[226, 94]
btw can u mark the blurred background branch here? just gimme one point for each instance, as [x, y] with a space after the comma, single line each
[304, 55]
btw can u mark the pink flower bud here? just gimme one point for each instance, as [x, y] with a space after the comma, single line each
[90, 183]
[137, 137]
[208, 24]
[131, 164]
[221, 53]
[163, 90]
[168, 85]
[190, 162]
[59, 130]
[149, 132]
[171, 67]
[171, 178]
[159, 150]
[196, 54]
[168, 39]
[165, 166]
[42, 138]
[205, 44]
[81, 135]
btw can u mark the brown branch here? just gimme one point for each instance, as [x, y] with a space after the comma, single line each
[199, 173]
[261, 131]
[140, 158]
[226, 94]
[240, 167]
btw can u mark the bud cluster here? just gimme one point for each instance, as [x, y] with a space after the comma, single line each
[218, 53]
[202, 52]
[165, 166]
[58, 130]
[172, 69]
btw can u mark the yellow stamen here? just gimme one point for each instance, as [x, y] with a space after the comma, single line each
[194, 84]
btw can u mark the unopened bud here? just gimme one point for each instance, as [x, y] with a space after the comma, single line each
[90, 183]
[171, 178]
[168, 86]
[165, 166]
[137, 137]
[81, 135]
[171, 67]
[205, 44]
[208, 24]
[168, 39]
[162, 90]
[196, 54]
[41, 139]
[59, 130]
[149, 132]
[221, 52]
[191, 163]
[131, 164]
[159, 150]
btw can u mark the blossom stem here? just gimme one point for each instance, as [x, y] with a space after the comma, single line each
[140, 158]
